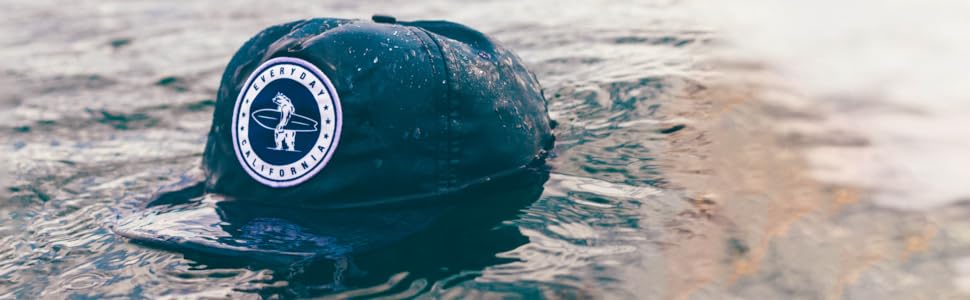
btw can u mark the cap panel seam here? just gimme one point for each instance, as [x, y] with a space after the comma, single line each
[444, 171]
[453, 147]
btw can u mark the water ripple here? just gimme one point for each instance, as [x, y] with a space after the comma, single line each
[115, 102]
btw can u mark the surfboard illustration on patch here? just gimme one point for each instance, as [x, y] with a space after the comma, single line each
[286, 122]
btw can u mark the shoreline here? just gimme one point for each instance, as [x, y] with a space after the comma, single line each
[759, 213]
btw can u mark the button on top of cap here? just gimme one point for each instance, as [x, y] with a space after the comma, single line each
[384, 19]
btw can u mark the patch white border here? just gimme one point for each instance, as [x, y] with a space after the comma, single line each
[330, 96]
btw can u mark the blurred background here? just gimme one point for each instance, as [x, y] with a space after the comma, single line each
[706, 150]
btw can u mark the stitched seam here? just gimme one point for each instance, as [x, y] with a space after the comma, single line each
[453, 146]
[442, 168]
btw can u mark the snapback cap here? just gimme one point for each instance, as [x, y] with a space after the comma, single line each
[336, 124]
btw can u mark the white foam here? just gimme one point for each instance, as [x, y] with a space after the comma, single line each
[894, 71]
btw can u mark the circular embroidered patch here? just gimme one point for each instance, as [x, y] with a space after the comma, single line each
[286, 122]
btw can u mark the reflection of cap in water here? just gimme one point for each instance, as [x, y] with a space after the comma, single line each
[326, 114]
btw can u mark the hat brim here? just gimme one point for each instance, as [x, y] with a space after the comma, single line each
[187, 219]
[213, 225]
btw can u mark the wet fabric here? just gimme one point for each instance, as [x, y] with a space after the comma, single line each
[439, 121]
[429, 108]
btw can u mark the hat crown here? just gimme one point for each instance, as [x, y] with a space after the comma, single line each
[427, 108]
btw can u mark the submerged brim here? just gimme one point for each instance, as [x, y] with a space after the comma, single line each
[188, 219]
[213, 225]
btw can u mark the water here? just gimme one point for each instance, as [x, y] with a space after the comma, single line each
[679, 172]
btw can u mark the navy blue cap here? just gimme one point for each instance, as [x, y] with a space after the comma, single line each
[336, 120]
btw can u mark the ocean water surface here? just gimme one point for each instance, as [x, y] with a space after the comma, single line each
[680, 171]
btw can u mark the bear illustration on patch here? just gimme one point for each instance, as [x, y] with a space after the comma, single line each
[284, 122]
